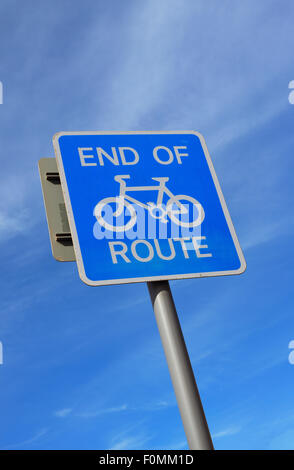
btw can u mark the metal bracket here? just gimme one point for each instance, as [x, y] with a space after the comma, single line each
[53, 177]
[59, 229]
[64, 238]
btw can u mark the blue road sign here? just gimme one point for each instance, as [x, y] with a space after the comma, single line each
[145, 206]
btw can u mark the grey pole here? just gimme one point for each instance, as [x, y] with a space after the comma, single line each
[180, 368]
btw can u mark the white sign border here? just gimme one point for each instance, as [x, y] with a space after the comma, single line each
[74, 234]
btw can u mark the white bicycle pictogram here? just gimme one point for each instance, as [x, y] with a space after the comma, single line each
[156, 210]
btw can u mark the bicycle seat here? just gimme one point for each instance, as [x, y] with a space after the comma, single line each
[121, 177]
[161, 178]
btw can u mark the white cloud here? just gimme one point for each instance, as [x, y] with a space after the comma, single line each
[129, 443]
[63, 413]
[94, 414]
[157, 406]
[32, 440]
[14, 222]
[266, 232]
[131, 438]
[148, 80]
[226, 432]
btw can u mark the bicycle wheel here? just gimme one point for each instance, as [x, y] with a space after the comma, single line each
[175, 215]
[120, 204]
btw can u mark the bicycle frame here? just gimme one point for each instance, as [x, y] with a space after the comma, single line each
[161, 190]
[155, 210]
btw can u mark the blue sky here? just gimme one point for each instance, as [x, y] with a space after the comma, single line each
[84, 367]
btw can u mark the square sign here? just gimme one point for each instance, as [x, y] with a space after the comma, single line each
[145, 206]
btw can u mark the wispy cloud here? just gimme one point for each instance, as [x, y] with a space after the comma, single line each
[266, 231]
[63, 413]
[130, 443]
[156, 406]
[14, 222]
[28, 442]
[94, 414]
[226, 432]
[134, 436]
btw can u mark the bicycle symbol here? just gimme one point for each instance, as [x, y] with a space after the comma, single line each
[156, 210]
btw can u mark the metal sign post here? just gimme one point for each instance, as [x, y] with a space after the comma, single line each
[179, 365]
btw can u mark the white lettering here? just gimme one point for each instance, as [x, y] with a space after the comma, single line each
[113, 159]
[123, 158]
[179, 155]
[82, 156]
[172, 250]
[116, 253]
[198, 247]
[184, 248]
[166, 149]
[129, 156]
[120, 249]
[135, 254]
